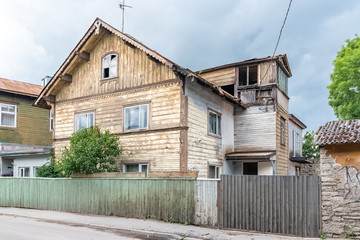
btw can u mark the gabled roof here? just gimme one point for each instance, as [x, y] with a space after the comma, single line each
[95, 29]
[338, 132]
[281, 59]
[20, 88]
[297, 121]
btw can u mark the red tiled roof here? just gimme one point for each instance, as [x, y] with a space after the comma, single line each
[338, 132]
[21, 88]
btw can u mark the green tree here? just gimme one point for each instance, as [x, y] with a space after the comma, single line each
[344, 88]
[310, 150]
[90, 151]
[51, 169]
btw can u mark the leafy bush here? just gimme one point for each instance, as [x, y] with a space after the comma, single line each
[310, 150]
[51, 169]
[90, 151]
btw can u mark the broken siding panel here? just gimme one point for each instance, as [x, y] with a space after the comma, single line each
[221, 77]
[134, 69]
[255, 130]
[202, 147]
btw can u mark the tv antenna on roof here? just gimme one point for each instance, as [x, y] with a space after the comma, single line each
[122, 7]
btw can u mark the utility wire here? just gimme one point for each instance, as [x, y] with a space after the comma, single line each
[277, 43]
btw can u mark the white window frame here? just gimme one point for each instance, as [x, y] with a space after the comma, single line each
[217, 171]
[51, 120]
[87, 117]
[217, 128]
[7, 112]
[35, 168]
[21, 172]
[139, 124]
[297, 142]
[107, 62]
[141, 165]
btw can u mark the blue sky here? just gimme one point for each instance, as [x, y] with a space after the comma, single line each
[37, 36]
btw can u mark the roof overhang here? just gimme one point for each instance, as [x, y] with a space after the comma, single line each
[25, 153]
[251, 155]
[296, 121]
[300, 160]
[281, 59]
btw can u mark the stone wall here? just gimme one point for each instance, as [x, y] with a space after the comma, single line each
[311, 169]
[340, 197]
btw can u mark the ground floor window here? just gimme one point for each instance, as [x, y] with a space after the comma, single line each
[136, 167]
[214, 171]
[24, 172]
[250, 168]
[297, 170]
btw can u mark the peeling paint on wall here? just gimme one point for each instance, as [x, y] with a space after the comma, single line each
[345, 154]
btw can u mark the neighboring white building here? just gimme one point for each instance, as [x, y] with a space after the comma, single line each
[295, 145]
[21, 160]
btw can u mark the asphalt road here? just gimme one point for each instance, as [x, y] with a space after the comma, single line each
[18, 228]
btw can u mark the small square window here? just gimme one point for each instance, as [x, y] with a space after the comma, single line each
[214, 172]
[136, 117]
[24, 172]
[136, 167]
[84, 120]
[214, 123]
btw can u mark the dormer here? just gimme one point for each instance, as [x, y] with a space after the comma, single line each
[253, 81]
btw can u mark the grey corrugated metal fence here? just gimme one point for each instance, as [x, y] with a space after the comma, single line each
[277, 204]
[206, 210]
[165, 199]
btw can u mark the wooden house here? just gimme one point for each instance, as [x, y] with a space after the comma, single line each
[25, 134]
[167, 118]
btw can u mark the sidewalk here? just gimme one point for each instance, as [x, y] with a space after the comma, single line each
[145, 229]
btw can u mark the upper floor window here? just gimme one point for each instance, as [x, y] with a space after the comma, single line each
[136, 117]
[8, 115]
[214, 171]
[214, 123]
[109, 66]
[84, 120]
[282, 131]
[248, 75]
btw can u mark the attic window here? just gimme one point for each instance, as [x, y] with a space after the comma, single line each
[248, 75]
[109, 66]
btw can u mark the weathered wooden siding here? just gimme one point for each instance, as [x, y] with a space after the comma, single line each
[163, 199]
[32, 127]
[267, 72]
[159, 144]
[282, 150]
[202, 147]
[221, 77]
[282, 100]
[255, 129]
[277, 204]
[134, 69]
[206, 209]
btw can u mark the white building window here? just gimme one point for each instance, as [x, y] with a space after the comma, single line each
[109, 66]
[84, 120]
[51, 118]
[136, 167]
[24, 172]
[298, 145]
[35, 171]
[136, 117]
[214, 172]
[8, 114]
[214, 123]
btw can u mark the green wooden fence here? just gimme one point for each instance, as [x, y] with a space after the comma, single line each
[163, 199]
